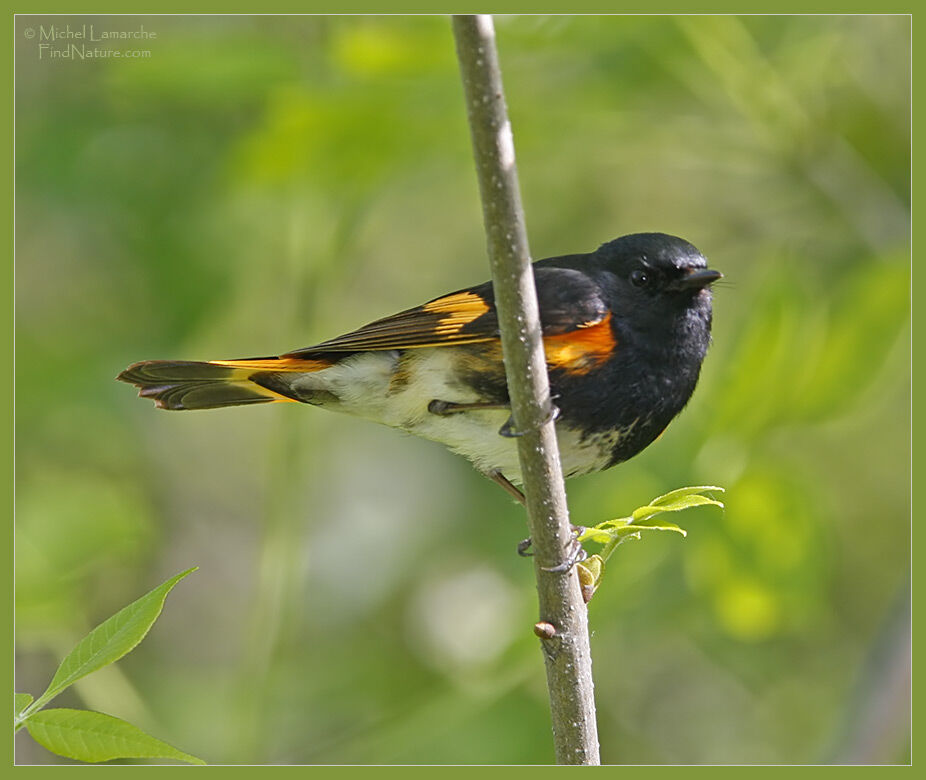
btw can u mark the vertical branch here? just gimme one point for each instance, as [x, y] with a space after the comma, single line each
[565, 645]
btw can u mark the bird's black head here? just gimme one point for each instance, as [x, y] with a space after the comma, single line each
[660, 288]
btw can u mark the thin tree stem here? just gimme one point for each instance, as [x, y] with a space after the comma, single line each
[566, 646]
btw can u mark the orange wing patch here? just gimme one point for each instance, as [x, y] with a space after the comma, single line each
[581, 350]
[461, 309]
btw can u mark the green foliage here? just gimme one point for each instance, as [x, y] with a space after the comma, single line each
[612, 533]
[812, 360]
[92, 736]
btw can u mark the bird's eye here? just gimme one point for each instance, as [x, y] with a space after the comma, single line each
[639, 278]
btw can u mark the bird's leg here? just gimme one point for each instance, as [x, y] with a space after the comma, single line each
[576, 551]
[443, 408]
[502, 481]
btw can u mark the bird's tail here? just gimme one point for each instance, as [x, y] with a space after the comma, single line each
[177, 384]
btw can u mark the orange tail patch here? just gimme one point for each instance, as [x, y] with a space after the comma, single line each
[176, 384]
[286, 364]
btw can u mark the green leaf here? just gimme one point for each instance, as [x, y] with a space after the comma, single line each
[590, 572]
[596, 534]
[651, 526]
[20, 702]
[671, 496]
[676, 505]
[649, 510]
[110, 640]
[92, 736]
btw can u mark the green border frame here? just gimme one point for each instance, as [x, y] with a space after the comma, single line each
[378, 7]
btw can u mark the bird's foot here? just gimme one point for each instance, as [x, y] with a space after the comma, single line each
[444, 408]
[574, 555]
[510, 432]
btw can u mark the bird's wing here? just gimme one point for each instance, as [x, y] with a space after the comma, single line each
[576, 325]
[570, 304]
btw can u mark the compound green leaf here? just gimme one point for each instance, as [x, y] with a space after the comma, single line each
[92, 736]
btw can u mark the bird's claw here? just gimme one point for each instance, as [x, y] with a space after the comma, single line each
[575, 555]
[510, 432]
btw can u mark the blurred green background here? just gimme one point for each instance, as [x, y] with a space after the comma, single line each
[260, 184]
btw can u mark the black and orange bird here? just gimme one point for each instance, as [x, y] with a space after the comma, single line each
[625, 330]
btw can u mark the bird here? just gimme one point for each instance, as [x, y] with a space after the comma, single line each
[625, 331]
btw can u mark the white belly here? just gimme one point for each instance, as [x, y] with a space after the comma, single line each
[394, 389]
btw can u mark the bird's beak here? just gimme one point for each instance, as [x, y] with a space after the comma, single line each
[698, 279]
